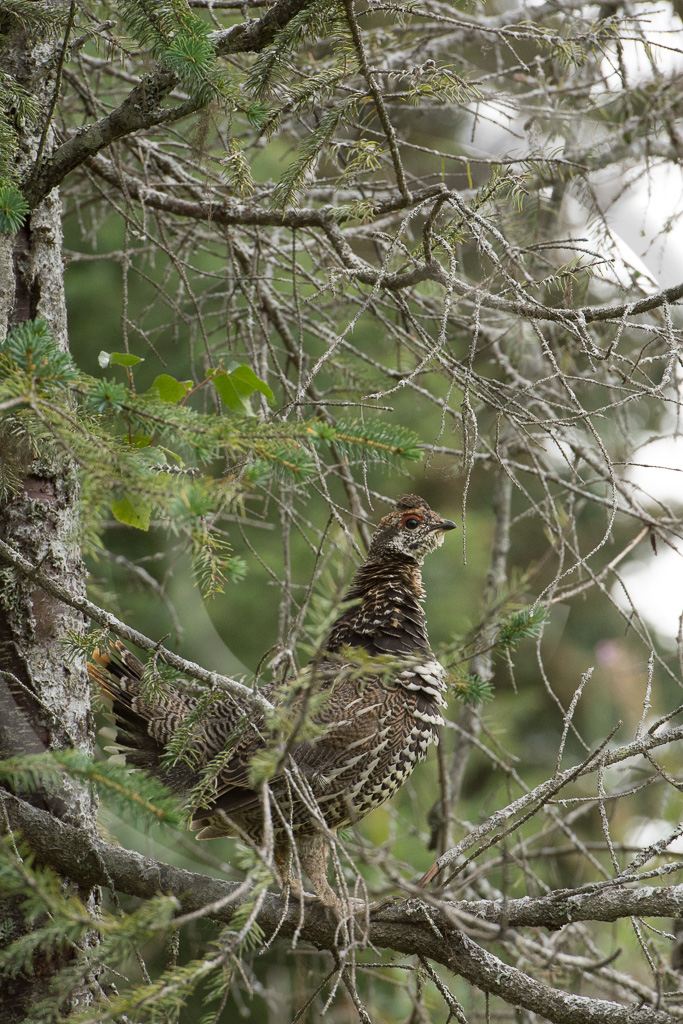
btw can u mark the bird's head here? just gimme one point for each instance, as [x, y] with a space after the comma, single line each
[412, 529]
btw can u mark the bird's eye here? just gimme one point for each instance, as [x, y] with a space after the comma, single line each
[411, 523]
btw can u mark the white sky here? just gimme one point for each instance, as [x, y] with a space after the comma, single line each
[655, 583]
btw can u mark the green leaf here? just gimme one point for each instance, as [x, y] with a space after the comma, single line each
[237, 386]
[118, 359]
[132, 512]
[170, 389]
[140, 440]
[246, 375]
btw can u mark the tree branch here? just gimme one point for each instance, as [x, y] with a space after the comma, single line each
[109, 621]
[142, 109]
[557, 909]
[376, 94]
[253, 36]
[232, 214]
[543, 792]
[407, 927]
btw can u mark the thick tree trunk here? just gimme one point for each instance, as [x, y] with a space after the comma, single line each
[43, 698]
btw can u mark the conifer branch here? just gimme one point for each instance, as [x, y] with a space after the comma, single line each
[546, 790]
[232, 214]
[251, 214]
[32, 572]
[142, 108]
[434, 928]
[350, 7]
[253, 36]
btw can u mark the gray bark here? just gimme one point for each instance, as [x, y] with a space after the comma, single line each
[44, 700]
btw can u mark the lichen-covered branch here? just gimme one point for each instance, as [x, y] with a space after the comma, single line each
[231, 214]
[25, 569]
[407, 927]
[142, 108]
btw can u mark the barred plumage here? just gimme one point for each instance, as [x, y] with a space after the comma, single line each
[368, 705]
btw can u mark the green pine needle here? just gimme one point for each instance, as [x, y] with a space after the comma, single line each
[294, 179]
[13, 209]
[522, 625]
[472, 690]
[372, 439]
[178, 37]
[30, 349]
[131, 791]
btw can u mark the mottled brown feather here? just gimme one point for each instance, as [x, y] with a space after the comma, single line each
[373, 714]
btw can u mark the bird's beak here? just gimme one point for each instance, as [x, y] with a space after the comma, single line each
[445, 525]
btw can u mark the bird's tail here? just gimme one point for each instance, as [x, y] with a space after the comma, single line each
[118, 673]
[145, 719]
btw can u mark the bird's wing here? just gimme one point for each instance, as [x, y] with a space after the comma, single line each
[347, 717]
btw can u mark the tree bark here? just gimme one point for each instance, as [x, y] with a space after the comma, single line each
[44, 699]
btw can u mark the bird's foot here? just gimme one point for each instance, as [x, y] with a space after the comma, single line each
[344, 909]
[293, 891]
[386, 901]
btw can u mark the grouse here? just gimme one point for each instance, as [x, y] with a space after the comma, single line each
[352, 725]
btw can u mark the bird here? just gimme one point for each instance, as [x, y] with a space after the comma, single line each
[345, 732]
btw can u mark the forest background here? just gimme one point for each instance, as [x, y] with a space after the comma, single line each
[316, 255]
